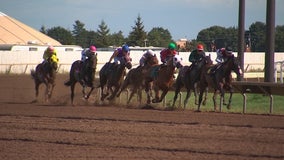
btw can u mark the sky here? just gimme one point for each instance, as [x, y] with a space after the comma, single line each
[183, 18]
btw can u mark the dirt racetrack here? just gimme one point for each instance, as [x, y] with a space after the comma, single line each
[58, 130]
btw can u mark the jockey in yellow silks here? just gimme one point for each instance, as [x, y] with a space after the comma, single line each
[50, 53]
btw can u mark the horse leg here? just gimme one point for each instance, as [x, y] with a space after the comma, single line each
[84, 91]
[123, 87]
[221, 99]
[72, 87]
[200, 98]
[176, 95]
[147, 90]
[205, 97]
[188, 94]
[50, 89]
[230, 99]
[131, 95]
[114, 92]
[36, 91]
[214, 99]
[157, 97]
[139, 92]
[103, 96]
[89, 93]
[46, 92]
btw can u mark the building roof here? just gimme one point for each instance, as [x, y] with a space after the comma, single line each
[13, 31]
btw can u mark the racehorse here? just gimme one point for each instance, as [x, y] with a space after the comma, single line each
[112, 75]
[220, 80]
[188, 77]
[84, 74]
[135, 78]
[162, 78]
[45, 73]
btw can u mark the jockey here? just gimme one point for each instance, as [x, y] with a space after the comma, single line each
[223, 54]
[88, 53]
[120, 54]
[145, 56]
[50, 54]
[168, 52]
[196, 54]
[85, 55]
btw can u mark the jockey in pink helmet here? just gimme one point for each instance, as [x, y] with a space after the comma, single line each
[50, 54]
[88, 53]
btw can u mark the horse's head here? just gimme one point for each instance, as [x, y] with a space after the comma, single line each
[175, 61]
[208, 60]
[93, 60]
[151, 60]
[204, 60]
[127, 62]
[235, 65]
[53, 62]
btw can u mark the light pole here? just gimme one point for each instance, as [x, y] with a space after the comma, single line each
[145, 42]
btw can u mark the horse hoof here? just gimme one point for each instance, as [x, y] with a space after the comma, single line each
[34, 101]
[154, 101]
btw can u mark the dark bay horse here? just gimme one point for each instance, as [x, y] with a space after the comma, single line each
[188, 77]
[162, 78]
[45, 73]
[84, 74]
[112, 76]
[135, 78]
[220, 80]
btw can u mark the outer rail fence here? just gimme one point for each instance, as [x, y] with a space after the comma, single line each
[281, 66]
[265, 88]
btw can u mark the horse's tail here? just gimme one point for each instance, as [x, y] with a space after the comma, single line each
[33, 74]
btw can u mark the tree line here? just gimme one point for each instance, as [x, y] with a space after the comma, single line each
[213, 37]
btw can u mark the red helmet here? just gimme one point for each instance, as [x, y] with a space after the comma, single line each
[200, 47]
[93, 49]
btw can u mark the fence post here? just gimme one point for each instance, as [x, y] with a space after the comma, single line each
[281, 71]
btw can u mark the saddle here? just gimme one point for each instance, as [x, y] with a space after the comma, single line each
[212, 70]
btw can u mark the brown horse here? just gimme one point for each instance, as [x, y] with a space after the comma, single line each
[135, 78]
[45, 73]
[112, 75]
[188, 77]
[220, 80]
[84, 74]
[162, 78]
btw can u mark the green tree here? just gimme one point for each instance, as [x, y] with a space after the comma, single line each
[257, 31]
[159, 37]
[219, 36]
[43, 29]
[137, 36]
[103, 35]
[61, 34]
[279, 39]
[80, 34]
[117, 39]
[92, 38]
